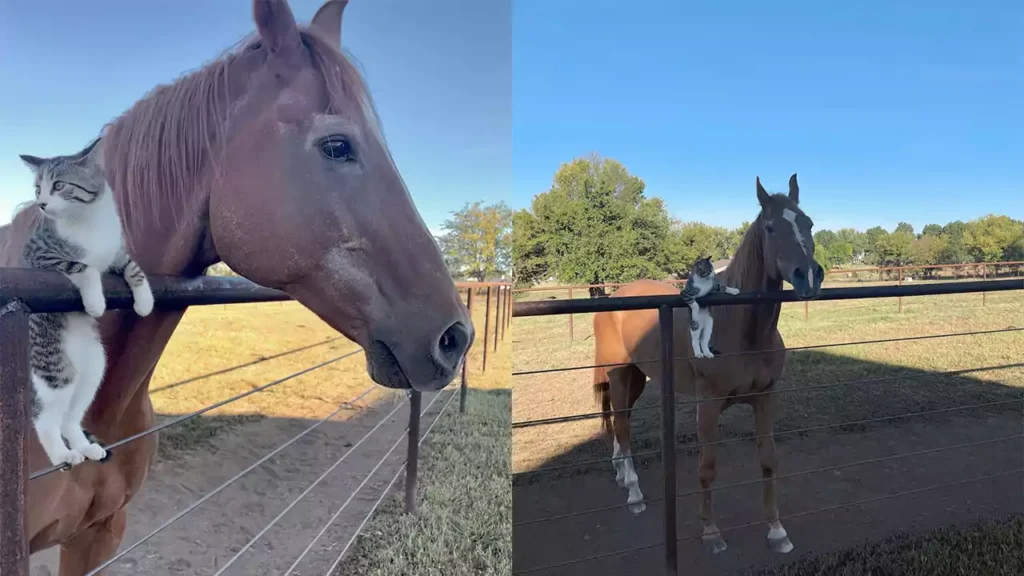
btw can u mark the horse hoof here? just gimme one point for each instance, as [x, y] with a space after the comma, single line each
[716, 544]
[638, 508]
[781, 545]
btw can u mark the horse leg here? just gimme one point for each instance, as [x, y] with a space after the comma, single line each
[622, 399]
[707, 435]
[764, 416]
[92, 546]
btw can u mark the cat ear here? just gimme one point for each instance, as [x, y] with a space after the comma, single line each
[91, 154]
[33, 162]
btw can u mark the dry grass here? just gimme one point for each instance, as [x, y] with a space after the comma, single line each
[212, 338]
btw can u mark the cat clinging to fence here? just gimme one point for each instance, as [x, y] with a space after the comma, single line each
[702, 280]
[78, 235]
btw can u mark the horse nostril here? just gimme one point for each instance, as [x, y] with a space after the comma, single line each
[798, 273]
[453, 344]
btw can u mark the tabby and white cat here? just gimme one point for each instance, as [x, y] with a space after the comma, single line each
[80, 236]
[702, 280]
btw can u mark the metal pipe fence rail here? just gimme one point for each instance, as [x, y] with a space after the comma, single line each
[24, 292]
[668, 404]
[884, 273]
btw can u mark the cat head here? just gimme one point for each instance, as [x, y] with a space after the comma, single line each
[703, 267]
[66, 186]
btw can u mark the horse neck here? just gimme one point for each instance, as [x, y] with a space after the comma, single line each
[747, 273]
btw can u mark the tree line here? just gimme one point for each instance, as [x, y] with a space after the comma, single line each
[595, 225]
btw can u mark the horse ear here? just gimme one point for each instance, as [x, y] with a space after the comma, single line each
[33, 162]
[327, 21]
[794, 189]
[276, 25]
[762, 195]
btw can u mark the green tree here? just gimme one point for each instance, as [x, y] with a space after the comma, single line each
[991, 238]
[529, 250]
[477, 241]
[689, 241]
[872, 238]
[894, 249]
[904, 228]
[595, 225]
[931, 230]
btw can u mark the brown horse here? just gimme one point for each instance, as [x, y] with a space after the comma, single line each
[269, 159]
[778, 246]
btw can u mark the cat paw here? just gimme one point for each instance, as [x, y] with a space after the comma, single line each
[143, 302]
[732, 291]
[71, 458]
[95, 306]
[94, 452]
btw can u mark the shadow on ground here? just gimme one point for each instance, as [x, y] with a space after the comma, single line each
[573, 488]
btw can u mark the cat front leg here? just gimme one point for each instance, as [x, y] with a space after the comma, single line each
[132, 273]
[90, 287]
[731, 290]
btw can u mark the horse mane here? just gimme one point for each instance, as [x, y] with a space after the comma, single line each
[747, 272]
[160, 148]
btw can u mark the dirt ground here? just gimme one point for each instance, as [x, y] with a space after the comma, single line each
[536, 545]
[204, 539]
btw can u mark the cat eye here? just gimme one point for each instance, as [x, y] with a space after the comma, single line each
[38, 191]
[337, 147]
[58, 186]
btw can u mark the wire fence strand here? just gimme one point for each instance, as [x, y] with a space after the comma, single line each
[773, 350]
[904, 376]
[308, 489]
[231, 481]
[383, 494]
[199, 412]
[240, 366]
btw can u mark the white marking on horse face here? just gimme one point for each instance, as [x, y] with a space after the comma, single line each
[791, 216]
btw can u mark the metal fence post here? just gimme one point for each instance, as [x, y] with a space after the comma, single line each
[487, 326]
[504, 314]
[571, 330]
[14, 439]
[497, 316]
[668, 436]
[413, 459]
[984, 276]
[463, 389]
[900, 283]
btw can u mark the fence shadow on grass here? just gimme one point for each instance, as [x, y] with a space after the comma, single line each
[572, 488]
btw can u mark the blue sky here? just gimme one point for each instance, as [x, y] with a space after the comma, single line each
[888, 111]
[440, 72]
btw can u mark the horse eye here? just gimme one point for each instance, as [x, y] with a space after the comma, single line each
[58, 186]
[769, 229]
[337, 148]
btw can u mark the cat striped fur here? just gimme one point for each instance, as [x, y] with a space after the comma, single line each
[701, 281]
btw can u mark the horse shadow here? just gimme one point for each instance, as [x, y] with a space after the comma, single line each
[888, 410]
